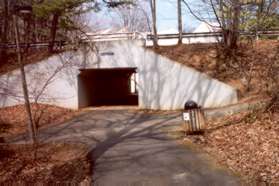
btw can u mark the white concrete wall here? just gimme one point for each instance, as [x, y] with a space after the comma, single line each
[53, 80]
[163, 84]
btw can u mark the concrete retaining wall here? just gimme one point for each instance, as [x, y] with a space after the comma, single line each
[162, 83]
[52, 81]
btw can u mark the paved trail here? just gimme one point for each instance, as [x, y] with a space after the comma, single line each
[132, 148]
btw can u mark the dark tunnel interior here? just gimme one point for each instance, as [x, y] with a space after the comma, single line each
[106, 86]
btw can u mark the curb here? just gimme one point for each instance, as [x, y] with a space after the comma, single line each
[234, 109]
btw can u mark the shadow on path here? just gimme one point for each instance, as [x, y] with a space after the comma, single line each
[141, 153]
[130, 147]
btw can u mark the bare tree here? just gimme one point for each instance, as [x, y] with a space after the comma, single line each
[179, 16]
[228, 13]
[134, 17]
[4, 29]
[231, 23]
[231, 17]
[24, 83]
[154, 23]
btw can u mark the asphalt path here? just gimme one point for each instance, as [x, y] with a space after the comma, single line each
[130, 147]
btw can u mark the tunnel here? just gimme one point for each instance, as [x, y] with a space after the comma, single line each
[106, 87]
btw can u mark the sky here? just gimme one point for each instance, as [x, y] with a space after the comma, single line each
[166, 16]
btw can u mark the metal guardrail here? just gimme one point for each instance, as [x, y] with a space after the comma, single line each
[88, 38]
[185, 35]
[91, 37]
[211, 34]
[113, 36]
[34, 45]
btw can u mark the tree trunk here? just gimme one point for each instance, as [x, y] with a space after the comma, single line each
[259, 14]
[4, 34]
[230, 25]
[179, 17]
[35, 32]
[154, 21]
[27, 34]
[53, 31]
[235, 25]
[31, 126]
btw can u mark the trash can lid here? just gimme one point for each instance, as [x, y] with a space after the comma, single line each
[190, 105]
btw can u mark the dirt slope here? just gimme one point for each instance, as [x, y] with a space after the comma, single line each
[251, 69]
[13, 120]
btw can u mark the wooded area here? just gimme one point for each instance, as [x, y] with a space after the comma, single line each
[48, 21]
[235, 16]
[246, 31]
[62, 20]
[232, 16]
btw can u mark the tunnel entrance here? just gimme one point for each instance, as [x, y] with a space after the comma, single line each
[107, 86]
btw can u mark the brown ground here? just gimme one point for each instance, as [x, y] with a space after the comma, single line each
[251, 69]
[247, 143]
[48, 164]
[13, 120]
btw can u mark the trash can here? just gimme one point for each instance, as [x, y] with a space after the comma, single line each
[193, 118]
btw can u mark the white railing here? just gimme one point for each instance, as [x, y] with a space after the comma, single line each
[92, 37]
[148, 37]
[113, 36]
[212, 34]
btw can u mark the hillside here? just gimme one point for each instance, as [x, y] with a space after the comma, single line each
[34, 55]
[252, 69]
[246, 143]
